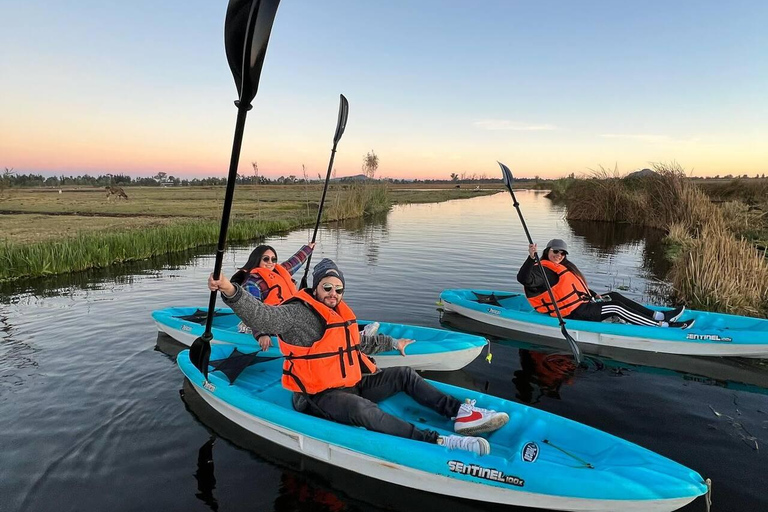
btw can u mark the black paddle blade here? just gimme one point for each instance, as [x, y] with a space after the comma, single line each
[342, 122]
[574, 347]
[506, 174]
[246, 34]
[200, 353]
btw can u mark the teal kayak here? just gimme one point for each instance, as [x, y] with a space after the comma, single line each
[712, 334]
[434, 349]
[537, 460]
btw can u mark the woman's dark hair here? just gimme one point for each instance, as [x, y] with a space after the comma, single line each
[566, 263]
[253, 262]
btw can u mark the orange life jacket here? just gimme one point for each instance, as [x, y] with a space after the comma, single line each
[569, 291]
[333, 361]
[279, 282]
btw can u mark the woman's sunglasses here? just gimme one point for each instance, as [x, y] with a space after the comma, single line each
[558, 251]
[328, 287]
[267, 259]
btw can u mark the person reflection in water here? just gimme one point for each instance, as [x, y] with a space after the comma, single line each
[547, 372]
[574, 298]
[326, 364]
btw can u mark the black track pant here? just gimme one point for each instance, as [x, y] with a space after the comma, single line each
[618, 305]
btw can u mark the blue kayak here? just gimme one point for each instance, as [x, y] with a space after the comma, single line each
[712, 334]
[536, 460]
[434, 349]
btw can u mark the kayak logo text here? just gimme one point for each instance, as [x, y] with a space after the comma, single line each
[530, 452]
[186, 328]
[457, 466]
[494, 311]
[708, 337]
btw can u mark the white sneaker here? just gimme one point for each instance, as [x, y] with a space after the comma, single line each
[371, 329]
[474, 420]
[476, 445]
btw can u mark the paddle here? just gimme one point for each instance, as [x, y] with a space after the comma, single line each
[340, 125]
[246, 34]
[508, 182]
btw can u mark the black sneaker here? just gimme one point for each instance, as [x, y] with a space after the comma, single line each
[683, 325]
[674, 314]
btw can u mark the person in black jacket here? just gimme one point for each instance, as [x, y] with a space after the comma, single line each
[576, 300]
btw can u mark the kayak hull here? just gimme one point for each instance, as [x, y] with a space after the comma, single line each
[434, 350]
[261, 406]
[713, 334]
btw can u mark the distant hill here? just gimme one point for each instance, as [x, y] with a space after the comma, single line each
[356, 177]
[641, 173]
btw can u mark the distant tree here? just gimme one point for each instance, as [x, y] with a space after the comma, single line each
[370, 164]
[454, 176]
[5, 181]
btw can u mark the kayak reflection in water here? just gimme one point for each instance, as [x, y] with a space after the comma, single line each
[574, 298]
[326, 364]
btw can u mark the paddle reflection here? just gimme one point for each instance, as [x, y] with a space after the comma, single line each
[206, 481]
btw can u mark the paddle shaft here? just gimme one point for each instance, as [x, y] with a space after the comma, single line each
[319, 213]
[242, 111]
[571, 341]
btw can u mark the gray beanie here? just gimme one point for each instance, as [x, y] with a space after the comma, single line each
[558, 244]
[325, 268]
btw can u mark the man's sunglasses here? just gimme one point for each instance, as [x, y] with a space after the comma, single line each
[558, 251]
[267, 259]
[328, 287]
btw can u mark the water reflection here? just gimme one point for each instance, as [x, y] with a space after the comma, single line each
[542, 374]
[206, 480]
[602, 240]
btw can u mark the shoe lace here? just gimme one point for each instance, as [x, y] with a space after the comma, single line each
[469, 406]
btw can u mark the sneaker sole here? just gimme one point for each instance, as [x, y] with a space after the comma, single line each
[496, 423]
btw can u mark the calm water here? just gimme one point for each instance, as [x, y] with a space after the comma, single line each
[94, 414]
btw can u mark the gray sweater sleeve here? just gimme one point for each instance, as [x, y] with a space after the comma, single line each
[371, 345]
[295, 323]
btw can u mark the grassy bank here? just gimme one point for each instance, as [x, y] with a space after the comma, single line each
[44, 232]
[718, 264]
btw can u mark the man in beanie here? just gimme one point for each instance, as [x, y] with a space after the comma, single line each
[328, 368]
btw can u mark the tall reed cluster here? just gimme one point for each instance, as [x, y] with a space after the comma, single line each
[100, 250]
[365, 198]
[714, 267]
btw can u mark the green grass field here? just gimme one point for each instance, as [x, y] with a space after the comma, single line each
[45, 232]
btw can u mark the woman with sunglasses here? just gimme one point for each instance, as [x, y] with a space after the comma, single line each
[327, 367]
[574, 298]
[269, 281]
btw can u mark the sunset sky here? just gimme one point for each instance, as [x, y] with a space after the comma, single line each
[435, 87]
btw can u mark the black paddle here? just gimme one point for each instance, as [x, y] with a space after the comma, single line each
[340, 125]
[508, 182]
[246, 34]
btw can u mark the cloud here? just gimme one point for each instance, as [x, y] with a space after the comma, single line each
[502, 124]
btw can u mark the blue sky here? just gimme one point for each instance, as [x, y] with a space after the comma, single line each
[549, 87]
